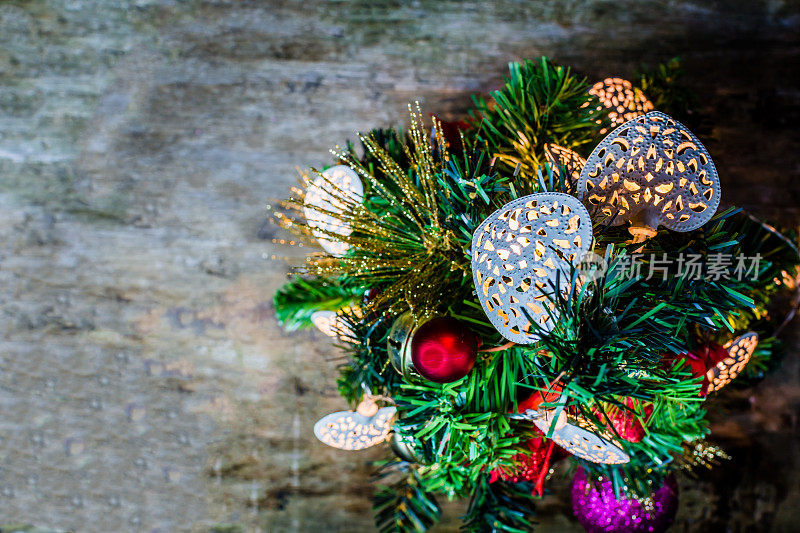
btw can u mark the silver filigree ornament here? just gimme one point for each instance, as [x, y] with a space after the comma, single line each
[363, 428]
[518, 254]
[331, 324]
[623, 101]
[740, 350]
[327, 197]
[578, 436]
[572, 163]
[651, 171]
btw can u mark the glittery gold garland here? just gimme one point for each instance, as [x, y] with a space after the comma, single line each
[404, 243]
[701, 453]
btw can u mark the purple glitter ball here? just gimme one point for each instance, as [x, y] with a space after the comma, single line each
[598, 511]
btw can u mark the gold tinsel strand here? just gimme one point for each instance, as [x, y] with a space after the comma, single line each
[406, 246]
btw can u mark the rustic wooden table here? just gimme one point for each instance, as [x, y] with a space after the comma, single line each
[144, 383]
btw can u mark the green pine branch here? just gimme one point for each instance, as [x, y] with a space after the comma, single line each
[539, 103]
[404, 505]
[500, 507]
[298, 299]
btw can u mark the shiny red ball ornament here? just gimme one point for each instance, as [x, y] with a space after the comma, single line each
[532, 466]
[627, 424]
[444, 350]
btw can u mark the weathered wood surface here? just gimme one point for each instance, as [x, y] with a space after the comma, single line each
[144, 383]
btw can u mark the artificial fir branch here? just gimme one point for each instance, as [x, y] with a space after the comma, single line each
[539, 103]
[297, 300]
[500, 507]
[616, 339]
[404, 505]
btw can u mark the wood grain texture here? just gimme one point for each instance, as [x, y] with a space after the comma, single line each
[144, 383]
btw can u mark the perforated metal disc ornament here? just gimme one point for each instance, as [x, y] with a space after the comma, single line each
[517, 254]
[623, 101]
[331, 324]
[575, 436]
[651, 171]
[740, 350]
[558, 156]
[363, 428]
[327, 196]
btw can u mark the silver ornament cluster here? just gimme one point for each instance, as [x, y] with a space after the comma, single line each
[740, 350]
[651, 171]
[518, 253]
[558, 157]
[623, 101]
[327, 197]
[356, 430]
[578, 436]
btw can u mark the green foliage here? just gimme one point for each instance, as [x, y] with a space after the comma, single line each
[539, 103]
[392, 140]
[468, 419]
[661, 84]
[404, 505]
[297, 300]
[500, 506]
[367, 365]
[616, 338]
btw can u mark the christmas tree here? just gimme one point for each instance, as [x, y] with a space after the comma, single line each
[551, 279]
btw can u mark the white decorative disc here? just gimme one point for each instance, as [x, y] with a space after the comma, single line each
[331, 324]
[652, 171]
[517, 253]
[577, 439]
[329, 194]
[740, 350]
[558, 156]
[623, 101]
[351, 430]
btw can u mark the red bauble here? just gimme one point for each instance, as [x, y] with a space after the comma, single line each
[531, 467]
[627, 424]
[539, 397]
[443, 350]
[701, 359]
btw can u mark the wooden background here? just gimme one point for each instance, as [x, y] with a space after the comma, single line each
[144, 383]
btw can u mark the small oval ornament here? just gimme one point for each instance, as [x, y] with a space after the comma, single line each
[356, 430]
[651, 171]
[558, 156]
[327, 197]
[519, 252]
[623, 101]
[331, 324]
[575, 436]
[740, 350]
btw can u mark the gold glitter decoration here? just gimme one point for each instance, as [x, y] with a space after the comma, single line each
[557, 157]
[623, 101]
[701, 454]
[403, 242]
